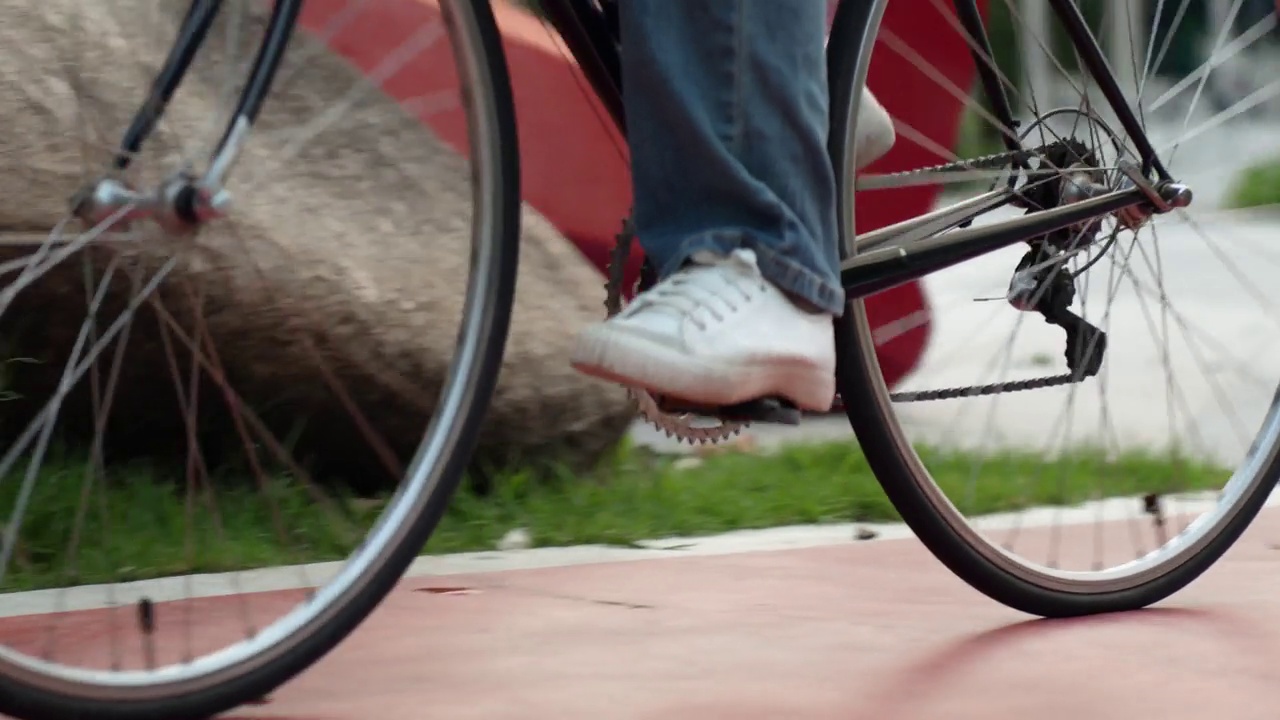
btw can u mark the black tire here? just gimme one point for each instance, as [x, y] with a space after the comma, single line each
[32, 694]
[901, 473]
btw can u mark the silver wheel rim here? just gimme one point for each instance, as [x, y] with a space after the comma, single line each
[1248, 480]
[426, 471]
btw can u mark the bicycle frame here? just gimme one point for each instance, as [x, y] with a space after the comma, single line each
[902, 252]
[890, 256]
[191, 35]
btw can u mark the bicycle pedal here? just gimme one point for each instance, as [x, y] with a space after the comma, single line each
[770, 410]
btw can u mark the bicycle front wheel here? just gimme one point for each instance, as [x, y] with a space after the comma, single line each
[1054, 489]
[231, 428]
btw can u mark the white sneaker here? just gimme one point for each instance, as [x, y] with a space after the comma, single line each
[875, 131]
[716, 333]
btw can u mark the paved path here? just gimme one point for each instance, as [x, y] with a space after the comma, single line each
[872, 630]
[875, 630]
[856, 630]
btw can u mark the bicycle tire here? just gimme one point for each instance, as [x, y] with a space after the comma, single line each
[900, 472]
[437, 469]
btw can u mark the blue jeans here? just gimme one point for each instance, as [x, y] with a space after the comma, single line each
[726, 104]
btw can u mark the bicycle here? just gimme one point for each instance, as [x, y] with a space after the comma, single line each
[1078, 183]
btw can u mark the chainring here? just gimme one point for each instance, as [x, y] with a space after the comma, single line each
[680, 426]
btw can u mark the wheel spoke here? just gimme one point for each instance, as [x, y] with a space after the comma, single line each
[220, 442]
[1118, 462]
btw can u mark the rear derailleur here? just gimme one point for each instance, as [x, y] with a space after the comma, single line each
[1042, 284]
[1042, 281]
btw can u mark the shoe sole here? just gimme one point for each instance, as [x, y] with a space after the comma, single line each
[639, 362]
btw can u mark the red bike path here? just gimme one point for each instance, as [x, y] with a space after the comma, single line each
[874, 630]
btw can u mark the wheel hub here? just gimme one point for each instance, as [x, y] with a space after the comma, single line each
[178, 205]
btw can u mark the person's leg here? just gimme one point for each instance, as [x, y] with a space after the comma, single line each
[727, 118]
[726, 105]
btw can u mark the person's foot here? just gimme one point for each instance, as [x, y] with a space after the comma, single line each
[716, 333]
[875, 131]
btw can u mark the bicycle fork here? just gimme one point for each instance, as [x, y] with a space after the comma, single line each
[185, 199]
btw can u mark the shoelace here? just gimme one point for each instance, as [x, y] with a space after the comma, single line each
[706, 288]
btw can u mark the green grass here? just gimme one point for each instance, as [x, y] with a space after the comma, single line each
[143, 527]
[1256, 186]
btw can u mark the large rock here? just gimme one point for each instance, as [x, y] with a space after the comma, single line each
[345, 257]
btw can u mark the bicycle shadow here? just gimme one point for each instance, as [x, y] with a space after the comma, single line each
[912, 690]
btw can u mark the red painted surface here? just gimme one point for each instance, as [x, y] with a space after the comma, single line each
[574, 168]
[860, 631]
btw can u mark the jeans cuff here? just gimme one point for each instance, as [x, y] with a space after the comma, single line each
[784, 272]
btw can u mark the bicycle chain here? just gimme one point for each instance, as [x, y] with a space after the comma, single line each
[994, 161]
[679, 426]
[992, 389]
[986, 162]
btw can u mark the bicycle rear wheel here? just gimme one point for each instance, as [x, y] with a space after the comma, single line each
[231, 434]
[1092, 493]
